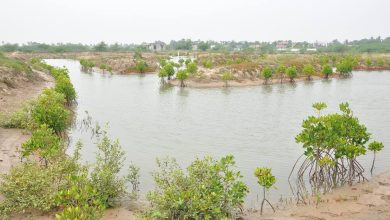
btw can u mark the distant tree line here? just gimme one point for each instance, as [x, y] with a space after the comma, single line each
[372, 44]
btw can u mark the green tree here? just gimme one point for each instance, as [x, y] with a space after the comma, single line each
[227, 76]
[101, 47]
[309, 71]
[266, 180]
[170, 70]
[327, 70]
[374, 147]
[344, 67]
[267, 73]
[291, 73]
[281, 70]
[203, 46]
[162, 74]
[182, 75]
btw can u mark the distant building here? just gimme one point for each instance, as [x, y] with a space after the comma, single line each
[157, 46]
[281, 45]
[195, 47]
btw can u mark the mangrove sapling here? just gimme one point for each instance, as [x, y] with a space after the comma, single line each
[266, 180]
[192, 68]
[327, 70]
[281, 70]
[344, 67]
[309, 71]
[227, 76]
[374, 147]
[141, 66]
[332, 143]
[133, 178]
[267, 74]
[291, 73]
[182, 75]
[169, 69]
[162, 74]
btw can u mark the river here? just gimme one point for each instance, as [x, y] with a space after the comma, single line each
[255, 124]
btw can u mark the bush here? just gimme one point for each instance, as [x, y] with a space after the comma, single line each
[21, 118]
[208, 64]
[227, 76]
[210, 190]
[344, 67]
[327, 70]
[309, 71]
[105, 175]
[192, 68]
[80, 199]
[267, 73]
[50, 110]
[182, 75]
[28, 186]
[43, 141]
[140, 66]
[64, 86]
[291, 73]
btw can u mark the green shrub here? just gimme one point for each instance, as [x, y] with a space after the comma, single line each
[327, 70]
[210, 190]
[105, 175]
[291, 73]
[28, 186]
[21, 118]
[309, 71]
[141, 66]
[43, 141]
[344, 67]
[208, 64]
[50, 110]
[182, 75]
[79, 199]
[266, 180]
[192, 68]
[64, 86]
[59, 72]
[227, 76]
[267, 73]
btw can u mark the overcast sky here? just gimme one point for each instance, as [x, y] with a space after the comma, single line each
[127, 21]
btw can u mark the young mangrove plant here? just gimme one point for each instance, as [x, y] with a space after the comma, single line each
[374, 147]
[291, 73]
[227, 76]
[331, 145]
[309, 71]
[209, 189]
[266, 180]
[182, 75]
[281, 70]
[326, 70]
[267, 74]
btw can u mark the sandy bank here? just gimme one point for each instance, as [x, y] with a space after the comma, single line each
[11, 100]
[241, 83]
[364, 201]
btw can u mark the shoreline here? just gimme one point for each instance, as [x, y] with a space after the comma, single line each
[246, 82]
[360, 201]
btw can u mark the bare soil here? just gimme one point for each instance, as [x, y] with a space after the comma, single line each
[364, 201]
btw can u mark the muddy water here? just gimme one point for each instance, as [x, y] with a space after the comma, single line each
[255, 124]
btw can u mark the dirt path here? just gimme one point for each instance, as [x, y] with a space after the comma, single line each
[366, 201]
[11, 139]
